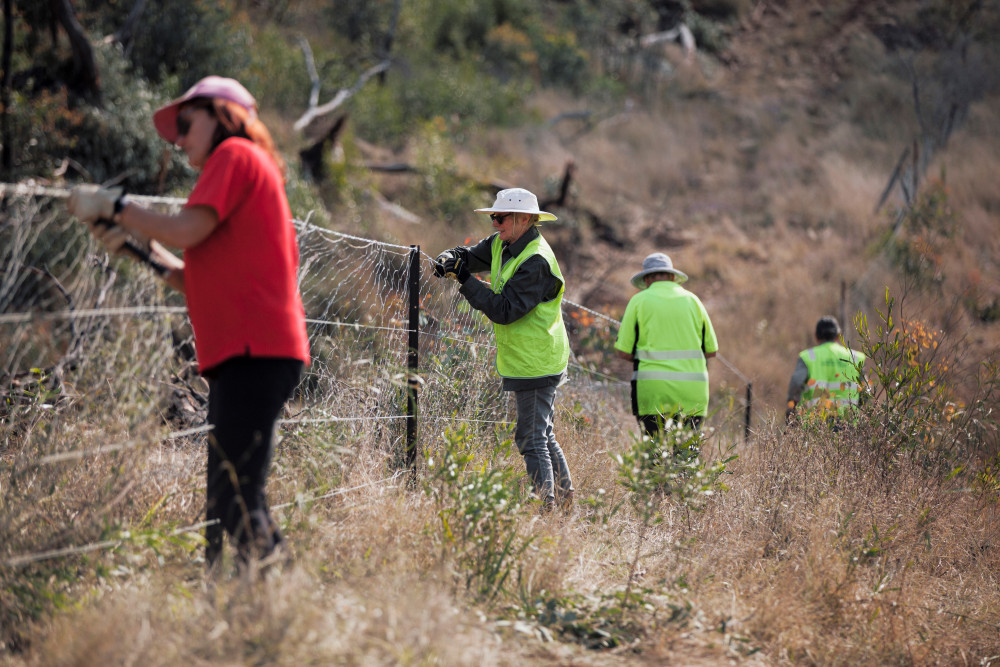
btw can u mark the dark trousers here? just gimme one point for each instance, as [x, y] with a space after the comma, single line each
[245, 398]
[653, 424]
[536, 440]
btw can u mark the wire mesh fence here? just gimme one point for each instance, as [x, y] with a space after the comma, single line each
[97, 365]
[84, 330]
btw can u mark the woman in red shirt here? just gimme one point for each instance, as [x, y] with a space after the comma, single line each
[239, 276]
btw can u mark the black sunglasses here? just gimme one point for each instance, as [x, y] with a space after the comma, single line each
[183, 120]
[499, 217]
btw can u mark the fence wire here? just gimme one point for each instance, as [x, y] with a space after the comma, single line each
[78, 324]
[97, 359]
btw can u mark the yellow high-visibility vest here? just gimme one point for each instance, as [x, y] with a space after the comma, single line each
[834, 380]
[536, 345]
[668, 332]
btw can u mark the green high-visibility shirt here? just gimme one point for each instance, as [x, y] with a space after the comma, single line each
[668, 332]
[834, 380]
[535, 345]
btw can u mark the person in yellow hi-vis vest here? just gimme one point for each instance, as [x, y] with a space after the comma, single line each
[667, 334]
[827, 378]
[524, 302]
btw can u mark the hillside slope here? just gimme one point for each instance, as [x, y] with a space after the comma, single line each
[760, 176]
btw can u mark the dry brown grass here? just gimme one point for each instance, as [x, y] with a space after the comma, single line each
[817, 553]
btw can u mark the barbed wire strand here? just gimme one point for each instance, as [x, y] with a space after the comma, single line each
[27, 559]
[29, 189]
[128, 444]
[37, 316]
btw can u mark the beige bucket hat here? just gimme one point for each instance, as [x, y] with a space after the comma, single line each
[517, 200]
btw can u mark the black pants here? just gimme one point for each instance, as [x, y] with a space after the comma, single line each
[245, 398]
[653, 424]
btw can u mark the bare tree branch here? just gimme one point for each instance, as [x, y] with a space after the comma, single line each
[88, 78]
[126, 34]
[681, 33]
[892, 179]
[311, 68]
[342, 96]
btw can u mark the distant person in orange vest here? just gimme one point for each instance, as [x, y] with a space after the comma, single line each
[827, 378]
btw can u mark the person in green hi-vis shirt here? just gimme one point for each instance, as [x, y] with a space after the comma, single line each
[826, 379]
[667, 334]
[524, 301]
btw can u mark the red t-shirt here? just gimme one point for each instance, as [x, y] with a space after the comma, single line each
[240, 282]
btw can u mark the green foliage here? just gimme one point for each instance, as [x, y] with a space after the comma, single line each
[276, 73]
[436, 88]
[987, 480]
[451, 195]
[32, 593]
[117, 142]
[478, 508]
[869, 553]
[186, 39]
[363, 23]
[669, 465]
[909, 399]
[459, 28]
[915, 240]
[912, 406]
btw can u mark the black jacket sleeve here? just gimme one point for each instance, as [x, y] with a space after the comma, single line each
[531, 284]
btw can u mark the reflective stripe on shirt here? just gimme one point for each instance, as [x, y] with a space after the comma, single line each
[669, 355]
[671, 376]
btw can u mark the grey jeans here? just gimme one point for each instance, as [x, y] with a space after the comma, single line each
[536, 441]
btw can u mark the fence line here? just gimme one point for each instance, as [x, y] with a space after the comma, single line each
[85, 313]
[29, 189]
[27, 559]
[48, 270]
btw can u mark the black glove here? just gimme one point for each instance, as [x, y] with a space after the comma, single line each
[439, 262]
[457, 268]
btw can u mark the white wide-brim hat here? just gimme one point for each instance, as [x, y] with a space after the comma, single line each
[517, 200]
[165, 118]
[657, 263]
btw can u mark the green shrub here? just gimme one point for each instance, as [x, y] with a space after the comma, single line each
[415, 94]
[669, 465]
[116, 142]
[276, 74]
[913, 242]
[913, 407]
[478, 507]
[189, 39]
[450, 195]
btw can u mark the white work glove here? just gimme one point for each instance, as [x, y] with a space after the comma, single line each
[92, 202]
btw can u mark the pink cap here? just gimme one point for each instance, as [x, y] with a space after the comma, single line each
[165, 118]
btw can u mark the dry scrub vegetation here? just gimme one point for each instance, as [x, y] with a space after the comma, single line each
[855, 547]
[876, 544]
